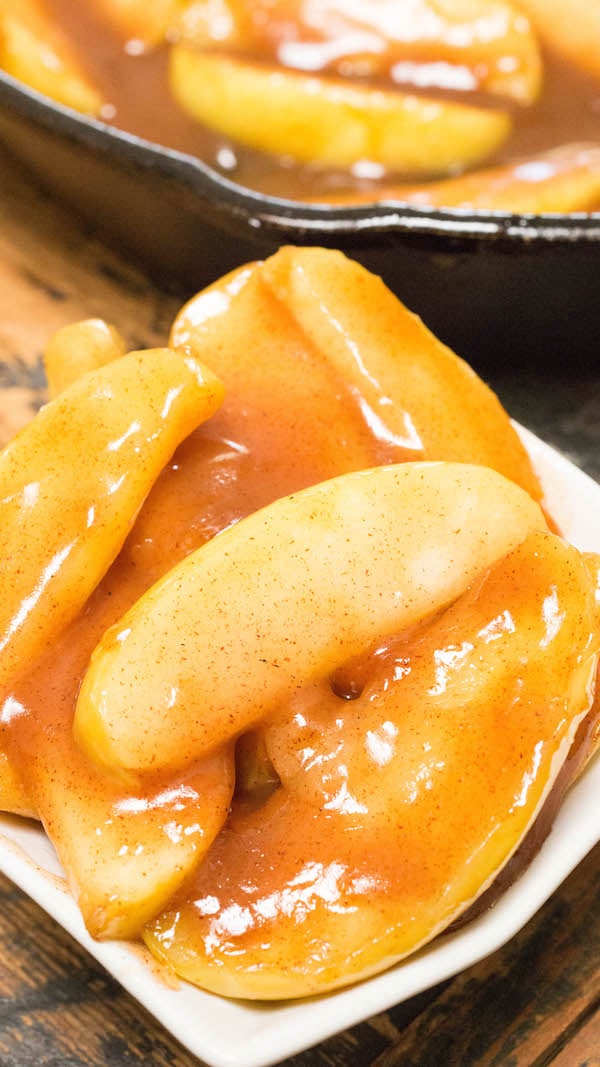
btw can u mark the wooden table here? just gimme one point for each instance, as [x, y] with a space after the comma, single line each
[535, 1002]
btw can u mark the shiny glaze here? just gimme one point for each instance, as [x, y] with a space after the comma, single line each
[319, 391]
[372, 383]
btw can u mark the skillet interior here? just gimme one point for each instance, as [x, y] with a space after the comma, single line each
[501, 289]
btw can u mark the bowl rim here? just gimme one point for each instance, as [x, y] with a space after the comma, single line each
[293, 218]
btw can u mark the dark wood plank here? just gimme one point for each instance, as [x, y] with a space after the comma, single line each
[52, 273]
[525, 1004]
[582, 1049]
[58, 1006]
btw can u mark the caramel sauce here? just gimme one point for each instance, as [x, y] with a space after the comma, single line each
[139, 101]
[582, 749]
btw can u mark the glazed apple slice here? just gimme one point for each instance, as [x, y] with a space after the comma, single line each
[408, 379]
[72, 482]
[485, 45]
[124, 850]
[78, 348]
[331, 121]
[330, 334]
[34, 49]
[285, 597]
[398, 808]
[71, 352]
[561, 180]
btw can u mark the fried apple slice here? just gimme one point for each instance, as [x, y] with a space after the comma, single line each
[124, 850]
[71, 352]
[317, 316]
[561, 180]
[77, 348]
[398, 808]
[211, 649]
[330, 121]
[36, 51]
[422, 392]
[481, 45]
[569, 27]
[72, 482]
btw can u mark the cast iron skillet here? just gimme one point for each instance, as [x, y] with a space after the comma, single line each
[501, 289]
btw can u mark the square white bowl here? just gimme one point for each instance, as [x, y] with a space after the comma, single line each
[227, 1033]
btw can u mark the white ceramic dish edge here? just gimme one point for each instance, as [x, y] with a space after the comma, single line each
[226, 1033]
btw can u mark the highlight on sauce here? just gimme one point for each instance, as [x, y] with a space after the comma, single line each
[294, 669]
[479, 104]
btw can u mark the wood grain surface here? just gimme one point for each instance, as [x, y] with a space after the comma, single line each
[533, 1003]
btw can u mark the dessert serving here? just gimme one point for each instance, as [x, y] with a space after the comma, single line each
[489, 105]
[293, 656]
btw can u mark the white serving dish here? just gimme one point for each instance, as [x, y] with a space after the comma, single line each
[227, 1033]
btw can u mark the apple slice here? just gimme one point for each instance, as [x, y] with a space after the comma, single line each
[330, 121]
[77, 348]
[561, 180]
[71, 352]
[34, 49]
[484, 45]
[411, 385]
[398, 808]
[72, 482]
[126, 851]
[331, 339]
[286, 596]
